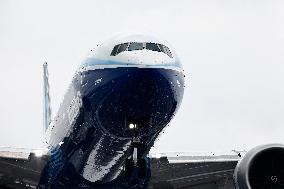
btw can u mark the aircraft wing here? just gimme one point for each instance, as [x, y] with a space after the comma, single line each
[21, 168]
[193, 172]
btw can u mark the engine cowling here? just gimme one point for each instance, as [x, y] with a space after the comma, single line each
[261, 167]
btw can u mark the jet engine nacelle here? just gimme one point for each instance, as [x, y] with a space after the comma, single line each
[261, 167]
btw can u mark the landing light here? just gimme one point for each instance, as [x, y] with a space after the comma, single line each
[132, 126]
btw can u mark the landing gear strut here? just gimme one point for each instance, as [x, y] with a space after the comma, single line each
[137, 167]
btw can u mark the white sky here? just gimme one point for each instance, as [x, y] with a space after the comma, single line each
[232, 52]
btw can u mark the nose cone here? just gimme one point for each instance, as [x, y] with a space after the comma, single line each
[141, 84]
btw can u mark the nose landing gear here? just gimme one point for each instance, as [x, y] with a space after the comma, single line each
[137, 167]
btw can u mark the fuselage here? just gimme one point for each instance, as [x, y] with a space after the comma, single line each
[130, 86]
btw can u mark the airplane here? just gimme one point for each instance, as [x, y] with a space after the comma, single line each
[120, 100]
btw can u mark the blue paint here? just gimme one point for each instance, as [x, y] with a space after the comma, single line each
[91, 61]
[99, 140]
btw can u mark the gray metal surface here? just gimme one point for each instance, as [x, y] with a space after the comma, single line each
[21, 172]
[195, 174]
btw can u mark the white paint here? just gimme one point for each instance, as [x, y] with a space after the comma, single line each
[74, 108]
[94, 171]
[144, 56]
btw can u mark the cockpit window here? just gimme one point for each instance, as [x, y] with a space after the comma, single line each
[133, 46]
[153, 47]
[114, 50]
[166, 50]
[122, 47]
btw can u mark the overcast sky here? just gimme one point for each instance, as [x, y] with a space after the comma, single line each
[232, 53]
